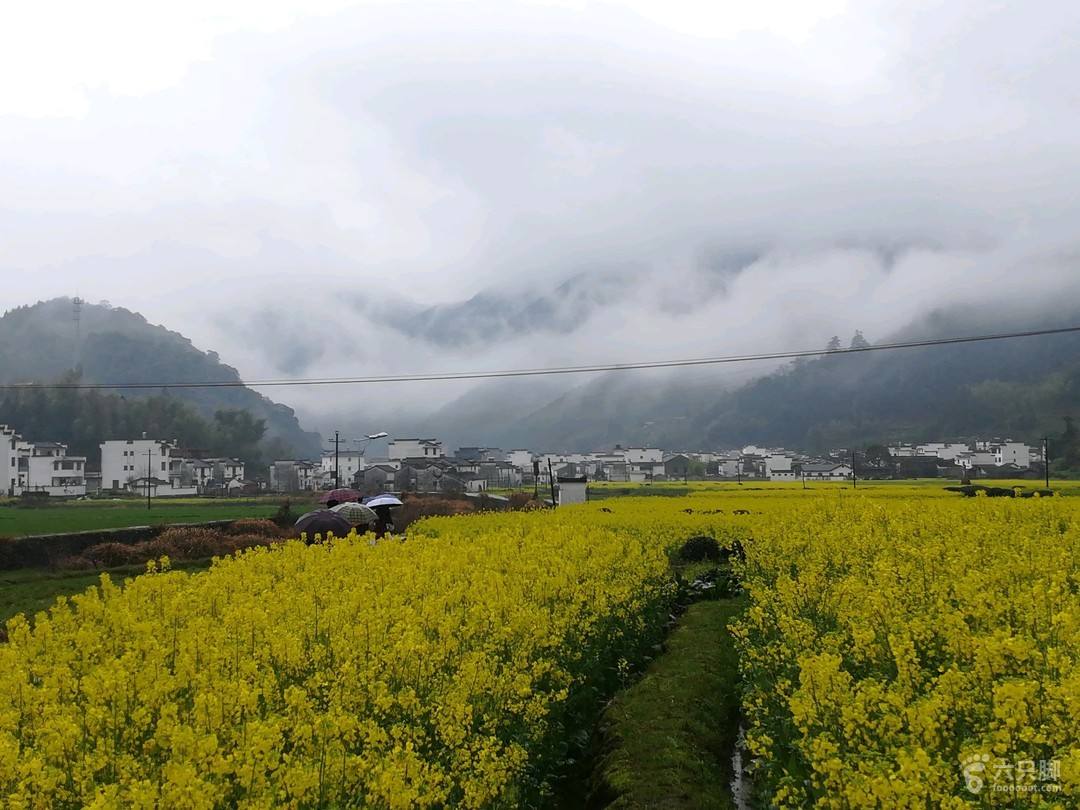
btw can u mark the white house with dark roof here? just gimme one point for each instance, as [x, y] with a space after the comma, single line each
[400, 449]
[50, 470]
[828, 470]
[126, 460]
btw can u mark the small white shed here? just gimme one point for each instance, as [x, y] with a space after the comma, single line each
[572, 489]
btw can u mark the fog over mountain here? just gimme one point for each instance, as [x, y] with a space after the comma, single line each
[340, 189]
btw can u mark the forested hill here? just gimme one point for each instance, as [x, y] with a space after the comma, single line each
[1020, 388]
[117, 346]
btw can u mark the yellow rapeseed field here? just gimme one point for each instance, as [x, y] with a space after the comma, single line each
[429, 673]
[902, 647]
[915, 653]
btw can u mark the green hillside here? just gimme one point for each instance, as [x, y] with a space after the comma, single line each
[119, 346]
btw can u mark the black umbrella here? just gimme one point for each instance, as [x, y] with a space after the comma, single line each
[324, 522]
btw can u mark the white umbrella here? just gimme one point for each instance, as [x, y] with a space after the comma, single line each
[383, 500]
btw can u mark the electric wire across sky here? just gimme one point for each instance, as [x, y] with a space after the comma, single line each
[539, 372]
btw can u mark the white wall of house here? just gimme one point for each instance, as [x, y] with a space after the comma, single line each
[350, 463]
[51, 470]
[1016, 453]
[415, 448]
[777, 463]
[9, 460]
[946, 450]
[978, 458]
[522, 459]
[727, 467]
[783, 475]
[124, 460]
[160, 488]
[840, 471]
[636, 455]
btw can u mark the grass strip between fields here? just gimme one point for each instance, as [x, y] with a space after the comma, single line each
[30, 590]
[667, 740]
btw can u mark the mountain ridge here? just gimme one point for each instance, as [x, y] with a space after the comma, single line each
[117, 346]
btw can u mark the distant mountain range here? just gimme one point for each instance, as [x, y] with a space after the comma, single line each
[1018, 387]
[119, 346]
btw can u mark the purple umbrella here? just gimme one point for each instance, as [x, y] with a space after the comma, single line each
[324, 522]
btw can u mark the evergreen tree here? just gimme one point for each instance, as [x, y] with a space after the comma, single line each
[858, 341]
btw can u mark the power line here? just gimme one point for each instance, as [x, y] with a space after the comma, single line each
[538, 372]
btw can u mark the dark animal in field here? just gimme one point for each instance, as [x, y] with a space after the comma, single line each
[605, 509]
[970, 490]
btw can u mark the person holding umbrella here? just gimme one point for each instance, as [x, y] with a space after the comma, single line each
[383, 505]
[358, 515]
[321, 522]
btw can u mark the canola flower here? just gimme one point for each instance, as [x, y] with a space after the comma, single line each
[891, 636]
[443, 671]
[889, 644]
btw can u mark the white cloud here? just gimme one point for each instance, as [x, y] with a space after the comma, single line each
[211, 163]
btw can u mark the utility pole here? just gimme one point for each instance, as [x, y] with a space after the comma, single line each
[551, 481]
[337, 459]
[1046, 459]
[536, 479]
[853, 484]
[148, 470]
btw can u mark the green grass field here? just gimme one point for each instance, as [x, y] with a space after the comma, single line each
[669, 737]
[19, 521]
[30, 590]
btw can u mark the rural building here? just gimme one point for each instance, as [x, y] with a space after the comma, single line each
[350, 462]
[9, 460]
[784, 475]
[779, 466]
[377, 478]
[829, 470]
[46, 468]
[522, 459]
[635, 455]
[571, 489]
[1009, 452]
[641, 471]
[677, 466]
[917, 466]
[727, 466]
[125, 461]
[478, 454]
[400, 449]
[288, 475]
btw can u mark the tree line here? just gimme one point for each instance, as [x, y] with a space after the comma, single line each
[83, 418]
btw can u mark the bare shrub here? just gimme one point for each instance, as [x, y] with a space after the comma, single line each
[108, 555]
[255, 526]
[193, 543]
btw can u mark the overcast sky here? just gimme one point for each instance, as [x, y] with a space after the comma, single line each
[292, 184]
